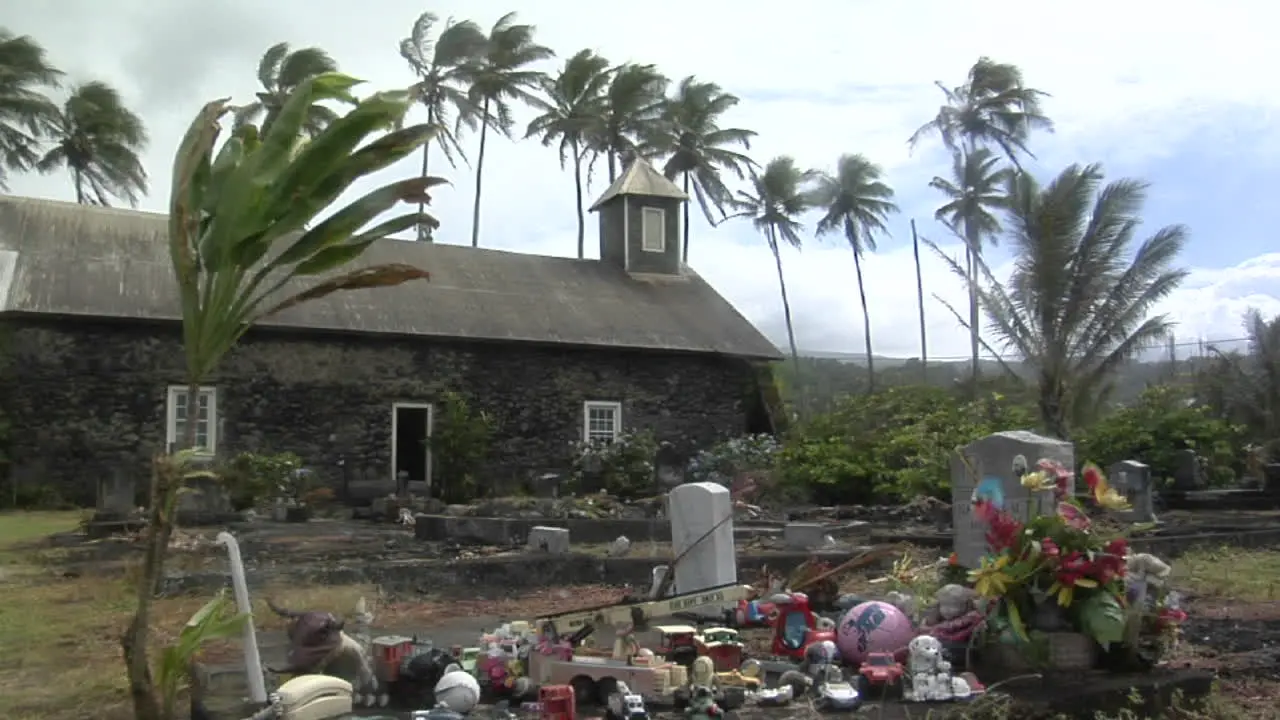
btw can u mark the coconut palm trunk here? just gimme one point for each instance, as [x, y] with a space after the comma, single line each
[424, 232]
[866, 322]
[786, 303]
[924, 345]
[684, 240]
[475, 212]
[971, 259]
[577, 186]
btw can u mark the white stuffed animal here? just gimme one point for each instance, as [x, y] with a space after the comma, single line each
[923, 654]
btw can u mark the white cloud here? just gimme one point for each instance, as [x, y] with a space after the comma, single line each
[1129, 82]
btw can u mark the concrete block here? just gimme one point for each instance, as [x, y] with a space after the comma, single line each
[551, 540]
[803, 536]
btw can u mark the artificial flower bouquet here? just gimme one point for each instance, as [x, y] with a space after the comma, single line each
[1063, 573]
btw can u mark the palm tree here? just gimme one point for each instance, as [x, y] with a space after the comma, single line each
[1077, 305]
[98, 140]
[774, 204]
[26, 114]
[503, 75]
[574, 100]
[993, 107]
[1245, 388]
[443, 66]
[976, 188]
[280, 72]
[698, 146]
[632, 113]
[856, 203]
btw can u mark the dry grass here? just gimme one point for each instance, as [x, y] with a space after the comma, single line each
[60, 636]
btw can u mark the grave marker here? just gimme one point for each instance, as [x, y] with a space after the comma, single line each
[702, 536]
[1133, 479]
[1188, 474]
[1004, 457]
[116, 495]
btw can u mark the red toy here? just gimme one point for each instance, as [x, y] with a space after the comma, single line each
[389, 652]
[795, 628]
[557, 702]
[881, 670]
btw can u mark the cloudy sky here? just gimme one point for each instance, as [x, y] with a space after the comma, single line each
[1177, 98]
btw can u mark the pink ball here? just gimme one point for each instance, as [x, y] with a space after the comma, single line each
[872, 627]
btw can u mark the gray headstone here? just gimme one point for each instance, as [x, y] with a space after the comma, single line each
[702, 536]
[1133, 480]
[1003, 456]
[116, 494]
[552, 540]
[1188, 473]
[204, 496]
[802, 536]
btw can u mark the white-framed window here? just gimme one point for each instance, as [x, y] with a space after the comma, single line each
[178, 412]
[601, 421]
[653, 229]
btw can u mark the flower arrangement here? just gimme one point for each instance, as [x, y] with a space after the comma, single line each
[1063, 572]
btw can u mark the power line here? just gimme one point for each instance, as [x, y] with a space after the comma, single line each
[1189, 343]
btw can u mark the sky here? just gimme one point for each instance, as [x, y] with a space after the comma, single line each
[1174, 98]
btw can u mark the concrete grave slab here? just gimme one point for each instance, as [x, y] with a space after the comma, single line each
[552, 540]
[803, 536]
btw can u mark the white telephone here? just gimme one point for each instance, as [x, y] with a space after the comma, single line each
[315, 697]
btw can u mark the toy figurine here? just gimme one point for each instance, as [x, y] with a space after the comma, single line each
[702, 706]
[929, 673]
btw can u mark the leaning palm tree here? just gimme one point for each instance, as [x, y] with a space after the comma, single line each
[975, 190]
[632, 112]
[280, 72]
[774, 204]
[856, 203]
[98, 140]
[26, 113]
[699, 149]
[443, 65]
[1078, 303]
[574, 100]
[501, 76]
[993, 107]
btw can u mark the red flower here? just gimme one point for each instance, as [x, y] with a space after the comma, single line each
[1073, 567]
[1003, 531]
[1170, 617]
[1091, 477]
[1050, 548]
[953, 560]
[984, 510]
[1061, 477]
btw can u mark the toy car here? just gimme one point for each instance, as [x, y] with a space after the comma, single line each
[880, 672]
[835, 693]
[626, 705]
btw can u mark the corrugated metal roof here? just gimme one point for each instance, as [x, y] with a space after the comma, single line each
[67, 259]
[640, 178]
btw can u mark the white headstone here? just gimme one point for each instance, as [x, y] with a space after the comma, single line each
[702, 536]
[1003, 456]
[1133, 479]
[552, 540]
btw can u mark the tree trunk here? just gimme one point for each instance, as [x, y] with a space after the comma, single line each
[577, 183]
[684, 248]
[77, 178]
[424, 230]
[866, 322]
[786, 313]
[475, 212]
[971, 257]
[146, 705]
[924, 346]
[613, 166]
[1052, 410]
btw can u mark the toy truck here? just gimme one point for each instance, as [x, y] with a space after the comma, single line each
[723, 646]
[626, 705]
[879, 675]
[593, 679]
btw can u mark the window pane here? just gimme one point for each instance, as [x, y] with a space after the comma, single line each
[602, 423]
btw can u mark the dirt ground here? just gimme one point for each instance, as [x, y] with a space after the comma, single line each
[60, 621]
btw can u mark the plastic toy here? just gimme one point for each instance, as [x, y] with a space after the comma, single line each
[775, 697]
[678, 643]
[626, 705]
[872, 627]
[724, 646]
[556, 702]
[881, 673]
[458, 691]
[836, 693]
[796, 627]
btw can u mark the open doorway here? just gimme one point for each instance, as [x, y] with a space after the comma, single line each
[410, 451]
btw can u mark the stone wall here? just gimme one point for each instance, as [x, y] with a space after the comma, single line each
[87, 399]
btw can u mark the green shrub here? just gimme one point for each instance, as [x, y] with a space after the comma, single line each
[460, 439]
[251, 478]
[623, 467]
[1153, 429]
[893, 445]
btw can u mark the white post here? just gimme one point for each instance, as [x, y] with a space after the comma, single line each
[252, 661]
